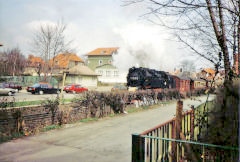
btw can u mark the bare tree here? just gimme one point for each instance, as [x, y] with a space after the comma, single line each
[50, 41]
[207, 27]
[187, 65]
[14, 62]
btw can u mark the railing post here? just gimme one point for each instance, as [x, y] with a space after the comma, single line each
[138, 148]
[177, 129]
[179, 118]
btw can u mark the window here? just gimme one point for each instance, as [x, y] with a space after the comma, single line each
[100, 72]
[115, 73]
[108, 73]
[100, 62]
[110, 61]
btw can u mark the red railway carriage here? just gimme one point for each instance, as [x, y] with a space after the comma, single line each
[182, 83]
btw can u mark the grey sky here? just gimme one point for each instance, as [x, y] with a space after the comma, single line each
[91, 24]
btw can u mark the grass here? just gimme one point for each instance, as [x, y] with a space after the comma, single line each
[32, 103]
[86, 120]
[12, 136]
[51, 127]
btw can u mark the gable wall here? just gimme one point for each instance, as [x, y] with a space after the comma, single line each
[93, 61]
[86, 81]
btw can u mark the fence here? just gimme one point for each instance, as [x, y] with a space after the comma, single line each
[156, 149]
[29, 80]
[174, 141]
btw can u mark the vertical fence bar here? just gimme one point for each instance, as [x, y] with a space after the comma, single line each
[192, 123]
[151, 148]
[138, 148]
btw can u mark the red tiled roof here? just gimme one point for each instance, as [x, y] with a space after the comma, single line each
[63, 59]
[103, 51]
[34, 61]
[210, 71]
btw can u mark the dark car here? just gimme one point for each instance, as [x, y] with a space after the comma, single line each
[41, 88]
[74, 88]
[13, 85]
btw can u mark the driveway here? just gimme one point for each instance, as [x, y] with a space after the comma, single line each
[106, 140]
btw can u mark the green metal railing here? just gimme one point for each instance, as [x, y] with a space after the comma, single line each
[157, 149]
[29, 80]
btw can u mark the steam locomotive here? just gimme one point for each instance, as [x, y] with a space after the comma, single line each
[145, 78]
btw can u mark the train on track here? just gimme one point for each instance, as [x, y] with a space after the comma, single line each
[146, 78]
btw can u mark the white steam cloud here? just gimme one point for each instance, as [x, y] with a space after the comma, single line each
[145, 46]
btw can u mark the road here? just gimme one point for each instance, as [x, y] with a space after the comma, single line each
[23, 95]
[105, 140]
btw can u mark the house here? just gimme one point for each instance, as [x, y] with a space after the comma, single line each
[208, 73]
[101, 56]
[196, 84]
[77, 71]
[83, 75]
[65, 61]
[34, 66]
[211, 77]
[100, 60]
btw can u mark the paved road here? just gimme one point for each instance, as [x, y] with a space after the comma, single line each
[107, 140]
[23, 95]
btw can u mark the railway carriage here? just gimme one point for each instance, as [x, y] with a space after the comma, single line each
[145, 78]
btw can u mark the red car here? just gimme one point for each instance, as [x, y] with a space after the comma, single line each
[13, 85]
[74, 88]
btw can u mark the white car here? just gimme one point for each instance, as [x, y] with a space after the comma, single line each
[6, 91]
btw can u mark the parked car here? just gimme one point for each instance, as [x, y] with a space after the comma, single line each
[13, 85]
[74, 88]
[41, 88]
[6, 91]
[119, 87]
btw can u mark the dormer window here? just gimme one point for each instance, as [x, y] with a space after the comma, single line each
[103, 52]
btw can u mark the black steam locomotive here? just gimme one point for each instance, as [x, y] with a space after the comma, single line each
[145, 78]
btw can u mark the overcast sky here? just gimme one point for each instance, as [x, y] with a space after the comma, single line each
[92, 24]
